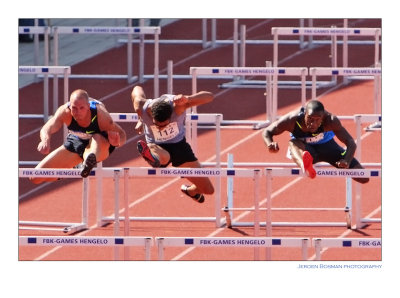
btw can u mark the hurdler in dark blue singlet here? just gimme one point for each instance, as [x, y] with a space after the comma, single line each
[320, 144]
[318, 137]
[78, 137]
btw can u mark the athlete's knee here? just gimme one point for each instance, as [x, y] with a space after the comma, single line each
[208, 188]
[361, 180]
[295, 143]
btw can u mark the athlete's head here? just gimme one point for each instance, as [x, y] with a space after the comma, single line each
[79, 104]
[314, 112]
[161, 110]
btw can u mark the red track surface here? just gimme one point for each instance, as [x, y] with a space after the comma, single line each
[61, 201]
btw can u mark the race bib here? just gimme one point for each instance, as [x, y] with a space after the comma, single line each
[315, 139]
[166, 133]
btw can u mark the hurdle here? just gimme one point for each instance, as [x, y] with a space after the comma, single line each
[271, 73]
[321, 173]
[333, 33]
[256, 242]
[135, 172]
[96, 241]
[374, 73]
[65, 227]
[46, 71]
[36, 30]
[319, 243]
[286, 170]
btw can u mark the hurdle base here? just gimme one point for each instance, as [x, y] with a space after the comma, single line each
[162, 219]
[377, 126]
[292, 224]
[281, 84]
[53, 226]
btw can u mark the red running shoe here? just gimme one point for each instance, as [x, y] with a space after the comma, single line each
[308, 165]
[144, 150]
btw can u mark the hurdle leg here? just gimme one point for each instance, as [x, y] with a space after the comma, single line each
[256, 210]
[116, 211]
[349, 198]
[229, 192]
[268, 221]
[99, 193]
[160, 245]
[85, 202]
[218, 165]
[318, 249]
[304, 246]
[126, 210]
[147, 246]
[358, 207]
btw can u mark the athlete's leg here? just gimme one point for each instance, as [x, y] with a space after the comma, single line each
[155, 155]
[98, 146]
[331, 152]
[302, 157]
[355, 164]
[59, 158]
[200, 185]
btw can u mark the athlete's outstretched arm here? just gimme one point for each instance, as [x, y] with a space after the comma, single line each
[285, 123]
[138, 98]
[183, 102]
[53, 125]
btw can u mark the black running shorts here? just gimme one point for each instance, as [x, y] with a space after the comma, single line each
[329, 152]
[180, 153]
[78, 146]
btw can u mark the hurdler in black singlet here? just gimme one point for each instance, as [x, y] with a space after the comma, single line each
[318, 137]
[78, 137]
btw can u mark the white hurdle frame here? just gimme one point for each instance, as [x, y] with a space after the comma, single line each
[46, 71]
[98, 241]
[66, 227]
[320, 243]
[321, 173]
[36, 30]
[268, 242]
[365, 72]
[156, 31]
[173, 172]
[271, 74]
[333, 32]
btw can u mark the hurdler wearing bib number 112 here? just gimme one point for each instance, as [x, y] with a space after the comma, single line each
[162, 120]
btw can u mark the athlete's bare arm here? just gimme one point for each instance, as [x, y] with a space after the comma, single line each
[54, 124]
[285, 123]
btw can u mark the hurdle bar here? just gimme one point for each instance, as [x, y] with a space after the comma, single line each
[175, 172]
[98, 241]
[191, 118]
[156, 31]
[321, 173]
[333, 32]
[319, 243]
[66, 227]
[271, 74]
[46, 71]
[366, 72]
[268, 242]
[36, 30]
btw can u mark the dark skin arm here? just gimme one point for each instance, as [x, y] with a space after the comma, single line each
[333, 123]
[285, 123]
